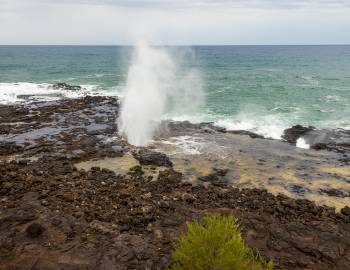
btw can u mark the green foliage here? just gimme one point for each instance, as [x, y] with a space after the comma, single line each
[215, 244]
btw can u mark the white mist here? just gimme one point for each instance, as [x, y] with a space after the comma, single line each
[153, 88]
[301, 143]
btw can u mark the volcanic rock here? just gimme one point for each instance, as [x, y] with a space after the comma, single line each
[292, 134]
[65, 86]
[345, 211]
[34, 230]
[148, 157]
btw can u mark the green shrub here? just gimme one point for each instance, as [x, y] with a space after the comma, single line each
[215, 244]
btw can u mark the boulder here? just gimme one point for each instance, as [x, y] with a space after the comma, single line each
[345, 211]
[148, 157]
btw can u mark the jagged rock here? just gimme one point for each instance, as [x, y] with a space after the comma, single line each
[246, 132]
[345, 211]
[65, 86]
[34, 230]
[336, 193]
[188, 198]
[335, 140]
[148, 157]
[292, 134]
[319, 146]
[123, 220]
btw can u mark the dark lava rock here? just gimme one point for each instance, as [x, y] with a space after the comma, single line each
[298, 189]
[148, 157]
[292, 134]
[68, 197]
[247, 133]
[6, 244]
[34, 230]
[65, 86]
[186, 127]
[335, 140]
[335, 193]
[216, 177]
[319, 146]
[100, 220]
[188, 198]
[9, 148]
[345, 211]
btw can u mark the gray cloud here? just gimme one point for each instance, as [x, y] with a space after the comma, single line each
[216, 3]
[258, 4]
[174, 21]
[221, 3]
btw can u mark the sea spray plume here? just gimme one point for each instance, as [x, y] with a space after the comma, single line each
[188, 97]
[153, 88]
[149, 76]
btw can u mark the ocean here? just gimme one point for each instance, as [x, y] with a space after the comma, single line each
[264, 89]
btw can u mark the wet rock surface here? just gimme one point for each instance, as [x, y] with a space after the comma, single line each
[148, 157]
[332, 140]
[54, 216]
[292, 134]
[186, 127]
[336, 140]
[65, 86]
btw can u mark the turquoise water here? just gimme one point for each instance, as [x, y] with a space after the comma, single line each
[261, 88]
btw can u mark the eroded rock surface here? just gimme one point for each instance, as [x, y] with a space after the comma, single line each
[292, 134]
[55, 216]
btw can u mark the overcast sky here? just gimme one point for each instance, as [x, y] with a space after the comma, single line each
[175, 21]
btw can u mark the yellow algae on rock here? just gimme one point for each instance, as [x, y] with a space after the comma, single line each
[119, 165]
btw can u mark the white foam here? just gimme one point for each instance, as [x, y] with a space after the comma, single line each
[11, 92]
[193, 118]
[267, 126]
[186, 144]
[310, 80]
[332, 98]
[301, 143]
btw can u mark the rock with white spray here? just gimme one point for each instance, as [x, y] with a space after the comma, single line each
[155, 86]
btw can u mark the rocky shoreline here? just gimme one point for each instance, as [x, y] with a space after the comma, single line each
[56, 215]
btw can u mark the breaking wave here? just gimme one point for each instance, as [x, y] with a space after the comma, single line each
[268, 126]
[23, 91]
